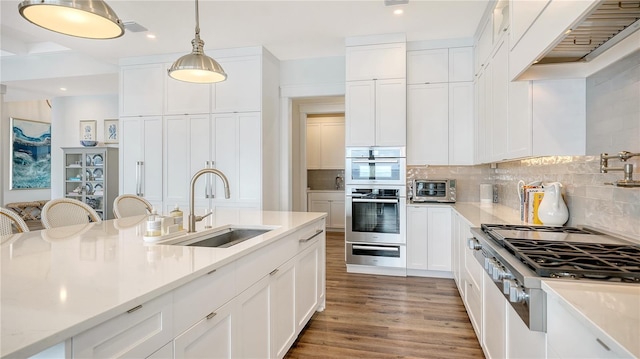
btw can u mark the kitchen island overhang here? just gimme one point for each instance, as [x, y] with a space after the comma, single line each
[60, 282]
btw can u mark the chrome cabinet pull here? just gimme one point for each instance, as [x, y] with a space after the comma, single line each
[376, 248]
[374, 200]
[211, 315]
[211, 272]
[134, 309]
[139, 165]
[603, 344]
[303, 240]
[274, 271]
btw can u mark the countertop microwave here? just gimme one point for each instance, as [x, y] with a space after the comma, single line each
[433, 190]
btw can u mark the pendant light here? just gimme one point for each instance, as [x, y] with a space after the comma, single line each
[92, 19]
[196, 66]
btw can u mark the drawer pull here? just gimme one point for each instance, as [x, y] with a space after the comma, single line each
[211, 272]
[211, 315]
[134, 309]
[603, 344]
[274, 271]
[312, 237]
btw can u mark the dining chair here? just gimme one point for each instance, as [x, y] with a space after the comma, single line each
[10, 222]
[66, 212]
[128, 205]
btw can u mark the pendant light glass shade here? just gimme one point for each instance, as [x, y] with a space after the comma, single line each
[92, 19]
[196, 66]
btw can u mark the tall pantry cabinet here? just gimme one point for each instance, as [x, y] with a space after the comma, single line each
[227, 125]
[375, 94]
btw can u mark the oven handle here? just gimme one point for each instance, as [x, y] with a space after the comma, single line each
[374, 248]
[375, 200]
[374, 161]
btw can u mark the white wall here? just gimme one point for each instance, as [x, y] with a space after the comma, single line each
[28, 110]
[66, 114]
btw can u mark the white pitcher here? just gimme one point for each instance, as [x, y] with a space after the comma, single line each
[553, 211]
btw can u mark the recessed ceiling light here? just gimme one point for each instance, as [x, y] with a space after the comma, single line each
[151, 36]
[63, 89]
[398, 11]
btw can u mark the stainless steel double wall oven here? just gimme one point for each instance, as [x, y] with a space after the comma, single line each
[375, 203]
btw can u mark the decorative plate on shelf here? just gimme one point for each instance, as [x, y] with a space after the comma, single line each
[97, 174]
[89, 161]
[88, 175]
[89, 188]
[97, 160]
[97, 189]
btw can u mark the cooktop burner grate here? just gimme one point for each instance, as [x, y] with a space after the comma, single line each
[578, 260]
[526, 228]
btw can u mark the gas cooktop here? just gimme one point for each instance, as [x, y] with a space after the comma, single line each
[569, 251]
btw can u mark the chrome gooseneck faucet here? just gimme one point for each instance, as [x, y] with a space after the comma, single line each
[227, 194]
[627, 168]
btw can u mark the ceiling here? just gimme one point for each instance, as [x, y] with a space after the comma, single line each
[38, 61]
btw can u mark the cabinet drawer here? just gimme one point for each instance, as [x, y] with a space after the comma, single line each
[473, 299]
[309, 235]
[136, 333]
[194, 300]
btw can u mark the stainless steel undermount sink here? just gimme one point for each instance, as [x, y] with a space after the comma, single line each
[223, 238]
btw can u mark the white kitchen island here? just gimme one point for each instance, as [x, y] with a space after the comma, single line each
[101, 290]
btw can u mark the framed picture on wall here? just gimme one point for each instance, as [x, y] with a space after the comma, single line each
[30, 166]
[88, 130]
[111, 133]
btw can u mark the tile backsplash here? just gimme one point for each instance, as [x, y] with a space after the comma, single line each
[323, 179]
[590, 201]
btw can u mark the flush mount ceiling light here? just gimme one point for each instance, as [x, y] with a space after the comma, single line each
[92, 19]
[196, 66]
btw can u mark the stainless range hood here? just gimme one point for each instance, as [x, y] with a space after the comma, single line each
[609, 23]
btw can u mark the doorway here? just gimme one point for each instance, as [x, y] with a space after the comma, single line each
[301, 110]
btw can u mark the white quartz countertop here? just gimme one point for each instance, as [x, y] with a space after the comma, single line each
[59, 282]
[612, 309]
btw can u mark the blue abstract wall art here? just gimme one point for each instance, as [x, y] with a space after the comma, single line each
[30, 154]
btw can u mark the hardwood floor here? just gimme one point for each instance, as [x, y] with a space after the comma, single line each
[369, 316]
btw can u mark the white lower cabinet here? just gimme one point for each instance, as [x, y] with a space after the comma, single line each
[136, 333]
[473, 277]
[568, 336]
[495, 320]
[211, 337]
[429, 240]
[522, 342]
[282, 307]
[166, 352]
[331, 203]
[306, 285]
[254, 320]
[245, 309]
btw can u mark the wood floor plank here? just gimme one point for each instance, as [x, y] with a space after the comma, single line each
[382, 317]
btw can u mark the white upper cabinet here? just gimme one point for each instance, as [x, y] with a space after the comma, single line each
[391, 112]
[380, 61]
[325, 143]
[427, 66]
[185, 97]
[484, 46]
[376, 113]
[461, 143]
[428, 124]
[141, 90]
[461, 64]
[440, 65]
[242, 90]
[376, 91]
